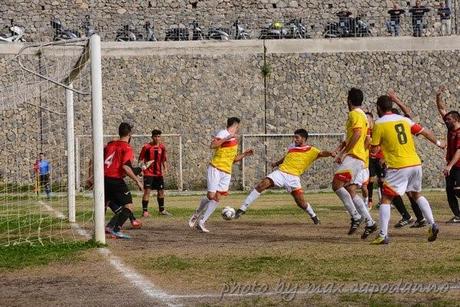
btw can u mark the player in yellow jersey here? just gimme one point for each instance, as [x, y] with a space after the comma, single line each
[298, 159]
[353, 159]
[393, 133]
[225, 145]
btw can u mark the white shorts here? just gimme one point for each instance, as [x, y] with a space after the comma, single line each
[349, 169]
[218, 181]
[284, 180]
[400, 181]
[362, 178]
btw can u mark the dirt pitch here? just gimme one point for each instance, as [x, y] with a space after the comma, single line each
[274, 248]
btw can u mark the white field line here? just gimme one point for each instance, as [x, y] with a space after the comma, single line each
[136, 279]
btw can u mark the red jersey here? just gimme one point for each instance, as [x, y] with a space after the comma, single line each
[157, 153]
[379, 154]
[453, 143]
[117, 154]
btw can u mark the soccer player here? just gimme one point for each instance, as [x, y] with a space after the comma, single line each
[43, 168]
[353, 158]
[452, 168]
[393, 133]
[225, 145]
[153, 156]
[376, 169]
[298, 159]
[118, 158]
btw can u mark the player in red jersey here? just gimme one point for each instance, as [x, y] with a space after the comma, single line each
[153, 157]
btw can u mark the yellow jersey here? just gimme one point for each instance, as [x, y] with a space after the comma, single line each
[299, 159]
[394, 135]
[225, 154]
[357, 120]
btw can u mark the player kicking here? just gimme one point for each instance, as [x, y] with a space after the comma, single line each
[298, 159]
[225, 145]
[393, 133]
[353, 157]
[153, 157]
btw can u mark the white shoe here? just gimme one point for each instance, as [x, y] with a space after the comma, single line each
[201, 228]
[192, 220]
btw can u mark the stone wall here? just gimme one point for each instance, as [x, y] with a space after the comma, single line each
[191, 88]
[109, 15]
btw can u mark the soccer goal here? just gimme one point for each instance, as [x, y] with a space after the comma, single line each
[272, 147]
[173, 143]
[49, 92]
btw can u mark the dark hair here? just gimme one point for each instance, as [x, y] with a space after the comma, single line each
[395, 111]
[232, 120]
[355, 97]
[384, 103]
[370, 114]
[302, 132]
[41, 153]
[454, 114]
[156, 132]
[124, 129]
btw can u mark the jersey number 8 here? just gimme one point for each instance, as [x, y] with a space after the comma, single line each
[402, 137]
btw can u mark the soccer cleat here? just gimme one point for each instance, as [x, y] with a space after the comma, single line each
[403, 222]
[239, 213]
[315, 220]
[201, 228]
[165, 213]
[419, 224]
[145, 214]
[119, 235]
[368, 230]
[380, 240]
[136, 224]
[369, 205]
[433, 233]
[192, 220]
[378, 205]
[454, 220]
[354, 225]
[108, 230]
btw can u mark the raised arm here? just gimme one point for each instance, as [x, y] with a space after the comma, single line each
[439, 101]
[394, 97]
[246, 153]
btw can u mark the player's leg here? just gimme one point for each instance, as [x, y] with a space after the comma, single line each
[406, 218]
[47, 186]
[420, 222]
[370, 191]
[122, 197]
[361, 207]
[453, 191]
[263, 185]
[161, 202]
[212, 177]
[145, 200]
[305, 206]
[365, 193]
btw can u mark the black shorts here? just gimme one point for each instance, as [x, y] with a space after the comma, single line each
[117, 191]
[375, 169]
[44, 179]
[154, 182]
[453, 179]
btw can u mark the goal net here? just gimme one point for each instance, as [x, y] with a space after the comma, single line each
[173, 144]
[272, 147]
[42, 88]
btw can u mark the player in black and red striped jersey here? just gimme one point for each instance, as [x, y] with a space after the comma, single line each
[153, 157]
[118, 159]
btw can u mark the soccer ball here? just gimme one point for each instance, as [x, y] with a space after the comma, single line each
[228, 213]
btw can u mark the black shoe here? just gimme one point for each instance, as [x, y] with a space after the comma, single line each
[354, 225]
[454, 220]
[315, 220]
[239, 213]
[403, 222]
[433, 233]
[368, 230]
[419, 224]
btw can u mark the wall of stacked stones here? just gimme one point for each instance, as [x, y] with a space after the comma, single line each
[192, 94]
[109, 15]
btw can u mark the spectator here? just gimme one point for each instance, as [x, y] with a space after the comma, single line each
[393, 25]
[444, 14]
[43, 168]
[417, 12]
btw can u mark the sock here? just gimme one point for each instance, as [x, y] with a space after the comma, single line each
[362, 209]
[122, 217]
[385, 213]
[366, 201]
[113, 221]
[204, 201]
[399, 204]
[370, 189]
[212, 205]
[424, 205]
[345, 197]
[131, 216]
[310, 211]
[418, 213]
[161, 204]
[249, 199]
[379, 191]
[145, 205]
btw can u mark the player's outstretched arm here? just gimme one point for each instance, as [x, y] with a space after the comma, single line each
[325, 154]
[353, 140]
[429, 135]
[130, 173]
[246, 153]
[394, 97]
[439, 101]
[277, 163]
[217, 142]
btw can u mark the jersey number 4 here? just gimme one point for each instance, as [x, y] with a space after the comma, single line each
[402, 136]
[109, 160]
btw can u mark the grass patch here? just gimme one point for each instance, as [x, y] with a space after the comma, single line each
[21, 256]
